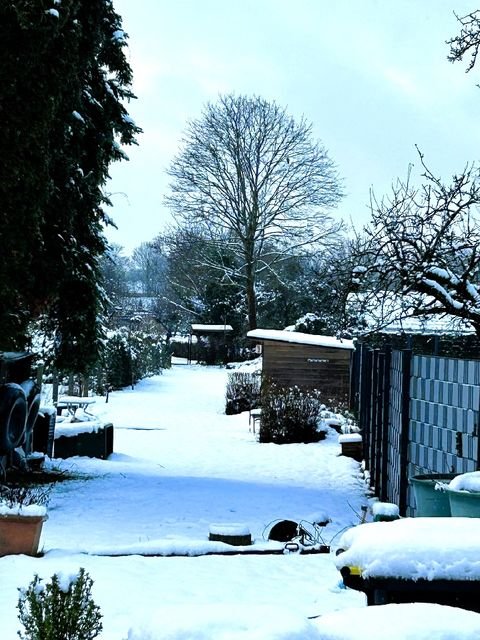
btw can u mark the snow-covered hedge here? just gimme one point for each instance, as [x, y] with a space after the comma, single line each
[130, 356]
[289, 414]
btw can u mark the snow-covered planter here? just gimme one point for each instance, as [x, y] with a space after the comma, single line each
[385, 511]
[351, 445]
[22, 514]
[91, 438]
[424, 559]
[464, 495]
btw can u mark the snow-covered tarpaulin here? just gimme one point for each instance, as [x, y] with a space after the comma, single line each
[414, 548]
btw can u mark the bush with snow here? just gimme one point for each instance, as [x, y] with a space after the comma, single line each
[15, 496]
[61, 609]
[243, 392]
[132, 355]
[289, 414]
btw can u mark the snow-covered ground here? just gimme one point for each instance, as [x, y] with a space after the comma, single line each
[180, 466]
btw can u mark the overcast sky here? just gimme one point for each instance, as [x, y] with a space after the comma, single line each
[370, 75]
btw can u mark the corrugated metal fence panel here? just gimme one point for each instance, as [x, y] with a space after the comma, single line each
[444, 417]
[395, 427]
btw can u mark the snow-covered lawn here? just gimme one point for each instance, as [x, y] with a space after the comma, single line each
[181, 465]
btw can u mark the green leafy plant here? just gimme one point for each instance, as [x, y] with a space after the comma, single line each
[62, 609]
[289, 414]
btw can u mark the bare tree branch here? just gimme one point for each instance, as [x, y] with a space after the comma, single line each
[467, 41]
[422, 246]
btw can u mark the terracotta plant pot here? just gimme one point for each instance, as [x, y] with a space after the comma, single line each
[20, 534]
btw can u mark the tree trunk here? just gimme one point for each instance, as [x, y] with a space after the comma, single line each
[55, 387]
[71, 384]
[250, 274]
[251, 302]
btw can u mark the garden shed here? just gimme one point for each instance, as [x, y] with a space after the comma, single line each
[213, 343]
[306, 360]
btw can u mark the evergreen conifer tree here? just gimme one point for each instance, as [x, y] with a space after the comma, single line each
[64, 82]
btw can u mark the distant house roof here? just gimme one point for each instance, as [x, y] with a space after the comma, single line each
[211, 328]
[300, 338]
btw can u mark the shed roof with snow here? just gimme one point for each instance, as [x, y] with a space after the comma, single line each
[211, 328]
[296, 337]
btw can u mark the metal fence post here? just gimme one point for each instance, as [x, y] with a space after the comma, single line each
[404, 436]
[385, 422]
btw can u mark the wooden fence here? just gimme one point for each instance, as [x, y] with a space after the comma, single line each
[418, 414]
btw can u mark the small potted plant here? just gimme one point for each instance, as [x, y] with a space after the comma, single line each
[23, 511]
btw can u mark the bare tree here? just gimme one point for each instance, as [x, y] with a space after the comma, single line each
[423, 247]
[150, 268]
[253, 178]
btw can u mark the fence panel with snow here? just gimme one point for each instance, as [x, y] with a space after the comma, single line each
[418, 414]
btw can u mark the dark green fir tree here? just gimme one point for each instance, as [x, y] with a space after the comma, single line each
[64, 84]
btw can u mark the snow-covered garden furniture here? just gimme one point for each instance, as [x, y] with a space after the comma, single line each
[72, 403]
[254, 418]
[414, 560]
[351, 445]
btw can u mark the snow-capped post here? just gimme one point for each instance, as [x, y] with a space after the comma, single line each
[230, 533]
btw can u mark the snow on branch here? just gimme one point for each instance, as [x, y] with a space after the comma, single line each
[424, 240]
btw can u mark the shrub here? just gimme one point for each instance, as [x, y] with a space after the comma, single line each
[132, 355]
[13, 495]
[62, 609]
[289, 414]
[243, 392]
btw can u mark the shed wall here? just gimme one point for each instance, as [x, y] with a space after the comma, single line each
[310, 366]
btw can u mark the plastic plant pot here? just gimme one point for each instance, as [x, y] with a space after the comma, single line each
[431, 502]
[464, 504]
